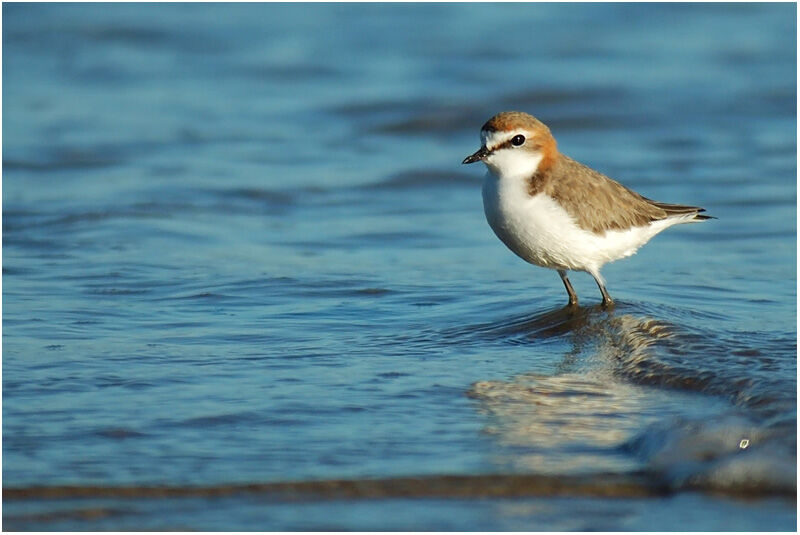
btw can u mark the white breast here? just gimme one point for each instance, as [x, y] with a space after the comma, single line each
[541, 232]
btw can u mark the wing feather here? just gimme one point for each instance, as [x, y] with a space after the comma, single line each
[599, 203]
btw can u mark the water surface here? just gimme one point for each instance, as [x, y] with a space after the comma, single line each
[238, 248]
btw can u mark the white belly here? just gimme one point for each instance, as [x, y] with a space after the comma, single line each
[541, 232]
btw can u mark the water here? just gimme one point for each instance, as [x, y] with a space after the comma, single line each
[238, 248]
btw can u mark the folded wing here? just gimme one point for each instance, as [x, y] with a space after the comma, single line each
[599, 203]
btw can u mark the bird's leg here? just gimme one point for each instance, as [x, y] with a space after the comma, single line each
[573, 297]
[607, 301]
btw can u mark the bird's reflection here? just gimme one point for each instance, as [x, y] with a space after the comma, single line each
[574, 420]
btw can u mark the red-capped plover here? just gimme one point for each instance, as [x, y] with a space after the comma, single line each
[557, 213]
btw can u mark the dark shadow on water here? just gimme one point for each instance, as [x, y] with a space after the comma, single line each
[581, 322]
[554, 322]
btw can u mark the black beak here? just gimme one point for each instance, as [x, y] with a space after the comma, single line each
[478, 156]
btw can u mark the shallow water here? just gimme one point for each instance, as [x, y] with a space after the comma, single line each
[238, 247]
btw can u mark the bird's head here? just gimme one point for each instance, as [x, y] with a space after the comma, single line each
[514, 143]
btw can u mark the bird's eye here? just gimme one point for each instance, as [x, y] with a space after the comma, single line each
[518, 140]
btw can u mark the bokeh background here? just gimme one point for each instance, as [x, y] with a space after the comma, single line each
[238, 247]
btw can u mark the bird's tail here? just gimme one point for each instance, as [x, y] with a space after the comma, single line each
[683, 212]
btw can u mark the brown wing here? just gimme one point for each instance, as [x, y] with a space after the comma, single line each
[599, 203]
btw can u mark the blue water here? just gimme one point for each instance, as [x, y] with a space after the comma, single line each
[238, 247]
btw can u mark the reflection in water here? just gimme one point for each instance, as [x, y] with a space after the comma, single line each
[594, 416]
[574, 421]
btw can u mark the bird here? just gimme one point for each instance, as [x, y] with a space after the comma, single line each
[557, 213]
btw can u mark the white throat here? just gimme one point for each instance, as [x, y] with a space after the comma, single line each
[514, 163]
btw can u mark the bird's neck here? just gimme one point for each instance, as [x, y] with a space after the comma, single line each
[529, 177]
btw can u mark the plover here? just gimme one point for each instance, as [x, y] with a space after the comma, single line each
[557, 213]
